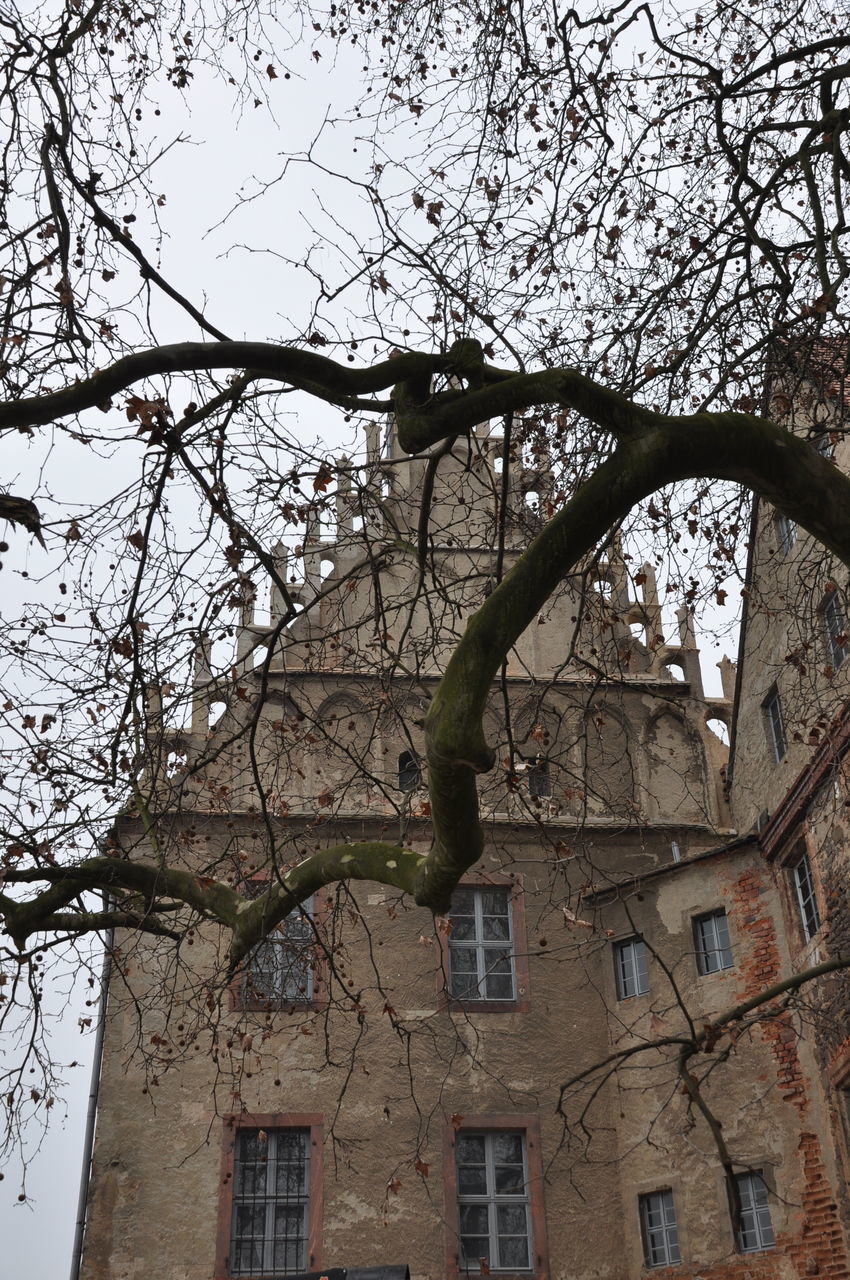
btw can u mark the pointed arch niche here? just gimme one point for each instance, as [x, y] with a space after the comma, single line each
[676, 769]
[610, 767]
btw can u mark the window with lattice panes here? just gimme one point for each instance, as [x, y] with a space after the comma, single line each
[270, 1222]
[493, 1202]
[712, 946]
[659, 1229]
[755, 1229]
[630, 969]
[481, 945]
[279, 971]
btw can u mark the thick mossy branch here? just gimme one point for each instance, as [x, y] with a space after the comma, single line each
[374, 860]
[652, 450]
[162, 888]
[306, 370]
[752, 451]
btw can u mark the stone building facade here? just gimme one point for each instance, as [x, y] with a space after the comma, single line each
[508, 1090]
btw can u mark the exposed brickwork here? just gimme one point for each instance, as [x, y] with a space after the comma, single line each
[818, 1248]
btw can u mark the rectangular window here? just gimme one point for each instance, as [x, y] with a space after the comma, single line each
[786, 533]
[630, 968]
[539, 782]
[270, 1227]
[278, 972]
[836, 630]
[409, 772]
[775, 725]
[493, 1201]
[659, 1230]
[481, 951]
[806, 901]
[711, 942]
[755, 1231]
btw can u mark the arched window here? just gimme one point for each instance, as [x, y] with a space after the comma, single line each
[409, 772]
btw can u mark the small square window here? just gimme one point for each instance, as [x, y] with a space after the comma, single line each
[835, 628]
[804, 887]
[659, 1230]
[481, 948]
[630, 968]
[711, 942]
[786, 533]
[755, 1231]
[775, 725]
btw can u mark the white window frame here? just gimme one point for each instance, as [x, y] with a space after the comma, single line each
[786, 533]
[659, 1229]
[288, 953]
[775, 725]
[630, 968]
[712, 944]
[486, 949]
[266, 1202]
[493, 1200]
[807, 903]
[755, 1233]
[834, 626]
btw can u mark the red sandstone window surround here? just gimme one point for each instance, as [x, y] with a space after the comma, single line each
[271, 1189]
[484, 951]
[285, 972]
[493, 1174]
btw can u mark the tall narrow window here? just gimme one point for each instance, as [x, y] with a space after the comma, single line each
[786, 533]
[278, 972]
[481, 953]
[630, 968]
[775, 725]
[659, 1230]
[409, 772]
[711, 942]
[493, 1201]
[269, 1233]
[807, 903]
[539, 782]
[836, 630]
[755, 1230]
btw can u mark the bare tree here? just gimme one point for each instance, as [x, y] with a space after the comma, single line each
[608, 234]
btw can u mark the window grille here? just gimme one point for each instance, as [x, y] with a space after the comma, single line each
[481, 955]
[630, 968]
[493, 1201]
[409, 772]
[269, 1231]
[806, 900]
[658, 1226]
[836, 630]
[755, 1231]
[786, 533]
[775, 725]
[279, 970]
[711, 942]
